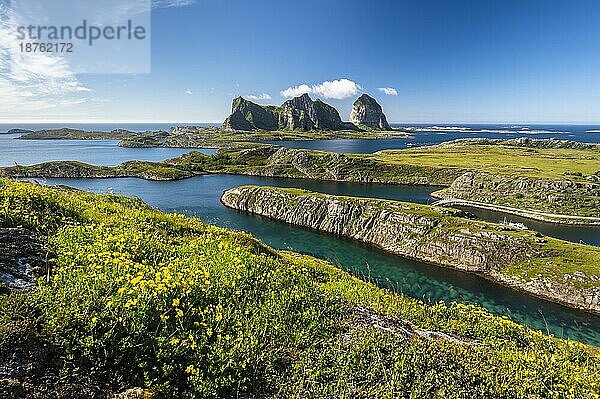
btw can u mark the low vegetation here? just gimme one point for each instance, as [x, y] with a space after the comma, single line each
[139, 298]
[73, 169]
[501, 159]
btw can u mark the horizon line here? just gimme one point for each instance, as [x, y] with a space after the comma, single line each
[188, 123]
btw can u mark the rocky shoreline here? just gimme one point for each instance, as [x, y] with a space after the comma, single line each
[559, 193]
[555, 270]
[155, 171]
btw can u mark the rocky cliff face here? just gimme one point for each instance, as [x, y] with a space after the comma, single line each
[305, 114]
[307, 164]
[246, 115]
[367, 113]
[299, 113]
[436, 235]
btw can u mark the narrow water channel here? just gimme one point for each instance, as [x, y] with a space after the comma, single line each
[200, 196]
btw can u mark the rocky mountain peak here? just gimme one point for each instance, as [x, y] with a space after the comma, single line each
[246, 115]
[367, 113]
[305, 114]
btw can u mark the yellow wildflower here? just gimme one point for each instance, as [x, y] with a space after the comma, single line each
[190, 369]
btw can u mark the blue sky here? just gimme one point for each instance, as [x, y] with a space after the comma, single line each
[448, 61]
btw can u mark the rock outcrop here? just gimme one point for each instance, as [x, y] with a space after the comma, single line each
[246, 115]
[436, 235]
[368, 114]
[22, 258]
[305, 114]
[299, 113]
[525, 142]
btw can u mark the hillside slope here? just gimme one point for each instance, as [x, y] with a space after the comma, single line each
[139, 298]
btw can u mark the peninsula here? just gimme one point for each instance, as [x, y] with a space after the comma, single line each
[555, 270]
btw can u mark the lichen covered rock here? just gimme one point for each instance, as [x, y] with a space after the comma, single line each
[22, 258]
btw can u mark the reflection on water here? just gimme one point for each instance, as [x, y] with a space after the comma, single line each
[200, 197]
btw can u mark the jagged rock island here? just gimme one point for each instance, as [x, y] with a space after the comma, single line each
[299, 118]
[546, 267]
[302, 113]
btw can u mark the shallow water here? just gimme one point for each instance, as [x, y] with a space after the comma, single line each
[200, 196]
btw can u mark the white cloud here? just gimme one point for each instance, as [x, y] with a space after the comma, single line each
[33, 81]
[171, 3]
[263, 96]
[189, 92]
[338, 89]
[390, 91]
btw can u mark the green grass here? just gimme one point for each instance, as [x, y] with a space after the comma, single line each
[142, 298]
[555, 163]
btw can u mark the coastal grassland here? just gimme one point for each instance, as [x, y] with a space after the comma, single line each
[310, 164]
[576, 264]
[74, 169]
[546, 163]
[141, 298]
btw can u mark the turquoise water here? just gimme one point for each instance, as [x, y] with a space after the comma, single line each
[200, 196]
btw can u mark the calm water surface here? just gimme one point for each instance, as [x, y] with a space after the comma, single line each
[431, 137]
[95, 152]
[199, 196]
[577, 234]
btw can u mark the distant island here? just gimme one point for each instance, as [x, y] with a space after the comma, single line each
[17, 131]
[300, 118]
[302, 113]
